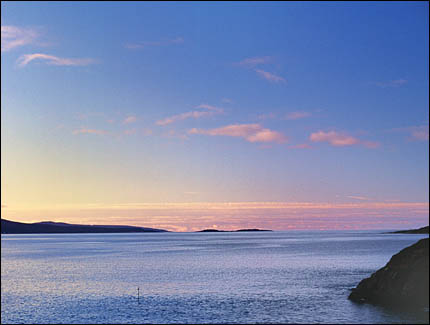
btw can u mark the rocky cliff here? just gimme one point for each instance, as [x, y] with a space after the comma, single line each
[402, 282]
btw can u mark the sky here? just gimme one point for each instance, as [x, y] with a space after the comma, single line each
[186, 116]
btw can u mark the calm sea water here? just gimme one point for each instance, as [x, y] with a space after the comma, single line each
[270, 277]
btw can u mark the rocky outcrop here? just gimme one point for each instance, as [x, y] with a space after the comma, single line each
[402, 282]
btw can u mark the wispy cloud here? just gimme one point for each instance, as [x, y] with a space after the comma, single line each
[255, 61]
[250, 132]
[141, 45]
[269, 76]
[227, 100]
[191, 193]
[360, 198]
[12, 37]
[266, 116]
[340, 139]
[147, 132]
[209, 111]
[23, 60]
[297, 115]
[420, 132]
[391, 83]
[301, 146]
[371, 144]
[130, 131]
[89, 131]
[129, 119]
[175, 135]
[417, 133]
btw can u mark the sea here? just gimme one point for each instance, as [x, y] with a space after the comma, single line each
[226, 277]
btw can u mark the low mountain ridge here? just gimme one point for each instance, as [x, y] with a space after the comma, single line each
[49, 227]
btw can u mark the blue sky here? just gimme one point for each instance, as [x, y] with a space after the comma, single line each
[135, 102]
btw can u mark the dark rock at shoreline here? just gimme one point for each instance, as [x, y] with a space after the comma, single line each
[423, 230]
[49, 227]
[403, 282]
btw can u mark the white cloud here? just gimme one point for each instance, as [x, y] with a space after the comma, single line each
[129, 119]
[255, 61]
[391, 83]
[25, 59]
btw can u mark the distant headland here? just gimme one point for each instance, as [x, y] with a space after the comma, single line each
[216, 230]
[49, 227]
[423, 230]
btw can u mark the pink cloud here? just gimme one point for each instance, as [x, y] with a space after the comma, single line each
[334, 138]
[23, 60]
[250, 132]
[209, 111]
[297, 115]
[12, 37]
[341, 140]
[89, 131]
[269, 76]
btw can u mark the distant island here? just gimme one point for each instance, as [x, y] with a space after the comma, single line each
[423, 230]
[49, 227]
[216, 230]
